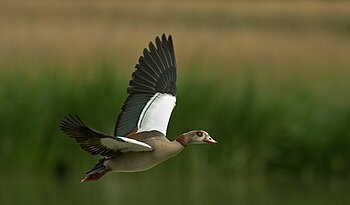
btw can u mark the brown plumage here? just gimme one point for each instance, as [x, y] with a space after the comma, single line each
[139, 142]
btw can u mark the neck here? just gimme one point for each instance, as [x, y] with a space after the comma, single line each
[183, 140]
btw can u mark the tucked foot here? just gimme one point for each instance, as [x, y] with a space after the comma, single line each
[94, 176]
[97, 171]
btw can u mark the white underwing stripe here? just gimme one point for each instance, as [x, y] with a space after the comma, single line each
[149, 103]
[141, 146]
[156, 113]
[125, 144]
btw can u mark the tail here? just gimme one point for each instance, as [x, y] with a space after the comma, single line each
[96, 172]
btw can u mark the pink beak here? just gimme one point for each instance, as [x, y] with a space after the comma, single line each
[210, 140]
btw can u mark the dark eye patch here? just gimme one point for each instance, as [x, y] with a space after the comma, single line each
[199, 133]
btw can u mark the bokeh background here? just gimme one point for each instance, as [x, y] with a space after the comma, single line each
[268, 79]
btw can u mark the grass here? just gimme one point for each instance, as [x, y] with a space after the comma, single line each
[262, 131]
[288, 34]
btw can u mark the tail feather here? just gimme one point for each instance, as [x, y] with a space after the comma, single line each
[96, 172]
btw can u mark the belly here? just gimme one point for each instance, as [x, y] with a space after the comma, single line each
[141, 161]
[134, 162]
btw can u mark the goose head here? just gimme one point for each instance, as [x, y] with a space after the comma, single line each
[200, 137]
[196, 137]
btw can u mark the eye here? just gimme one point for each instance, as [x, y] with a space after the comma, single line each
[199, 133]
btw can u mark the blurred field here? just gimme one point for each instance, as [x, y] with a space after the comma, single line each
[283, 35]
[268, 80]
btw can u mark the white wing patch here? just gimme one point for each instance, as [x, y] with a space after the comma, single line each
[125, 144]
[156, 114]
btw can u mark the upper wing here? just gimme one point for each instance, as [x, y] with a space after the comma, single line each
[152, 91]
[96, 142]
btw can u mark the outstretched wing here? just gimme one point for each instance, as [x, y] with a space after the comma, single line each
[152, 91]
[96, 142]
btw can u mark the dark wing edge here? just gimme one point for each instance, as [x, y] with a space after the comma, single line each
[88, 139]
[154, 73]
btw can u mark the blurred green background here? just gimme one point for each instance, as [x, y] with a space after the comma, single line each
[268, 79]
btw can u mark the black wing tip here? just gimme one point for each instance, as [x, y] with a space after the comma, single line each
[69, 118]
[69, 123]
[74, 127]
[164, 38]
[159, 40]
[145, 51]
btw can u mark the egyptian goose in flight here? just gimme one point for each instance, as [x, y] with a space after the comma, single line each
[139, 141]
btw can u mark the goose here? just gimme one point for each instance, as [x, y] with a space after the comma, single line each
[139, 141]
